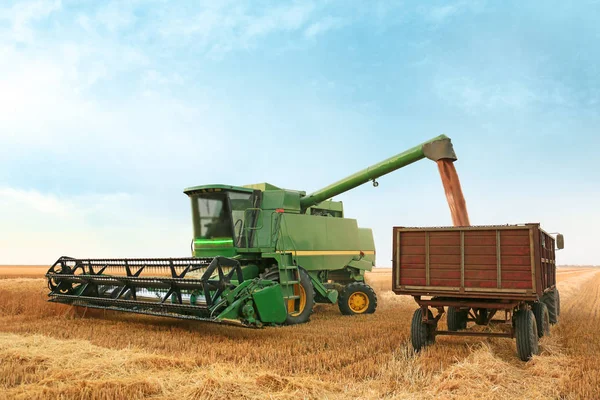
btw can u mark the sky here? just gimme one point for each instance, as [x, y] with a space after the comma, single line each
[108, 110]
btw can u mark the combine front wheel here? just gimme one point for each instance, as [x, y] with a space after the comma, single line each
[357, 298]
[299, 310]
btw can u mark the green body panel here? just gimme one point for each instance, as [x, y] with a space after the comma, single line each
[287, 200]
[270, 304]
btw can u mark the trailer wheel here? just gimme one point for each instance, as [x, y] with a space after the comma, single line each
[526, 334]
[481, 316]
[357, 298]
[421, 334]
[456, 319]
[550, 299]
[542, 318]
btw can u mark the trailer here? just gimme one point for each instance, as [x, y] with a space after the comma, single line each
[503, 275]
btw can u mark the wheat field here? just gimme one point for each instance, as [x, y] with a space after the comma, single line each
[50, 351]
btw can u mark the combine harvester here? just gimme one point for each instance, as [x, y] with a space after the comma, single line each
[261, 255]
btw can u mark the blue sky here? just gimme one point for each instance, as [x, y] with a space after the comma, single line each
[109, 109]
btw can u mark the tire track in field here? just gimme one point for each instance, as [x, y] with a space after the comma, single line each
[571, 288]
[577, 330]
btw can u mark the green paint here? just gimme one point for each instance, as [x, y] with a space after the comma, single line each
[270, 304]
[201, 242]
[375, 171]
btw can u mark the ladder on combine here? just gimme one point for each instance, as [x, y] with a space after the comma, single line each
[289, 274]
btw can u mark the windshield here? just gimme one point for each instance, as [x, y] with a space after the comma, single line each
[221, 215]
[212, 218]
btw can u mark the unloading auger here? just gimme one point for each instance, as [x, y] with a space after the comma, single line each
[261, 255]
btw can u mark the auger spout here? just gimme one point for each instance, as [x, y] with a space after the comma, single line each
[435, 149]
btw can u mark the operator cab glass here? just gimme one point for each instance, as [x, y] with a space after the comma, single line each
[219, 217]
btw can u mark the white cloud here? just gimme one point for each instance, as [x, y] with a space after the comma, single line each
[37, 227]
[45, 204]
[473, 95]
[115, 16]
[22, 15]
[322, 26]
[222, 28]
[282, 18]
[441, 14]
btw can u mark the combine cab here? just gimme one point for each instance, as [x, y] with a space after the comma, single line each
[261, 255]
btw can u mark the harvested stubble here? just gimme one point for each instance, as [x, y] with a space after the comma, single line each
[47, 351]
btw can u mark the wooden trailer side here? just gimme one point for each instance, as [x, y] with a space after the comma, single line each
[471, 262]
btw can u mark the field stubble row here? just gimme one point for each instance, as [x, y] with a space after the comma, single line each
[49, 351]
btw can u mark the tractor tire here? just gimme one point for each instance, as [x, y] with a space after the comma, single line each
[550, 299]
[306, 291]
[457, 319]
[542, 318]
[526, 334]
[481, 316]
[421, 334]
[557, 295]
[357, 298]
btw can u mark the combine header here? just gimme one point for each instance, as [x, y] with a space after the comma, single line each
[261, 255]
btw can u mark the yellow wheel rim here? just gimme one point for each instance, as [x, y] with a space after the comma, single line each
[298, 291]
[358, 302]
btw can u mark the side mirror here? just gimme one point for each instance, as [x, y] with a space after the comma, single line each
[560, 241]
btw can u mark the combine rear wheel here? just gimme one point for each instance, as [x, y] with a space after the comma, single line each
[422, 334]
[542, 318]
[357, 298]
[456, 319]
[526, 334]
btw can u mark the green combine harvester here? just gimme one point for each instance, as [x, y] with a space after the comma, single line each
[262, 255]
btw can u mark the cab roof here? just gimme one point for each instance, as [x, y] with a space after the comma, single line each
[215, 188]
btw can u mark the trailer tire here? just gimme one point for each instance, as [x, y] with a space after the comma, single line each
[456, 319]
[526, 334]
[550, 299]
[542, 318]
[357, 298]
[481, 315]
[421, 334]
